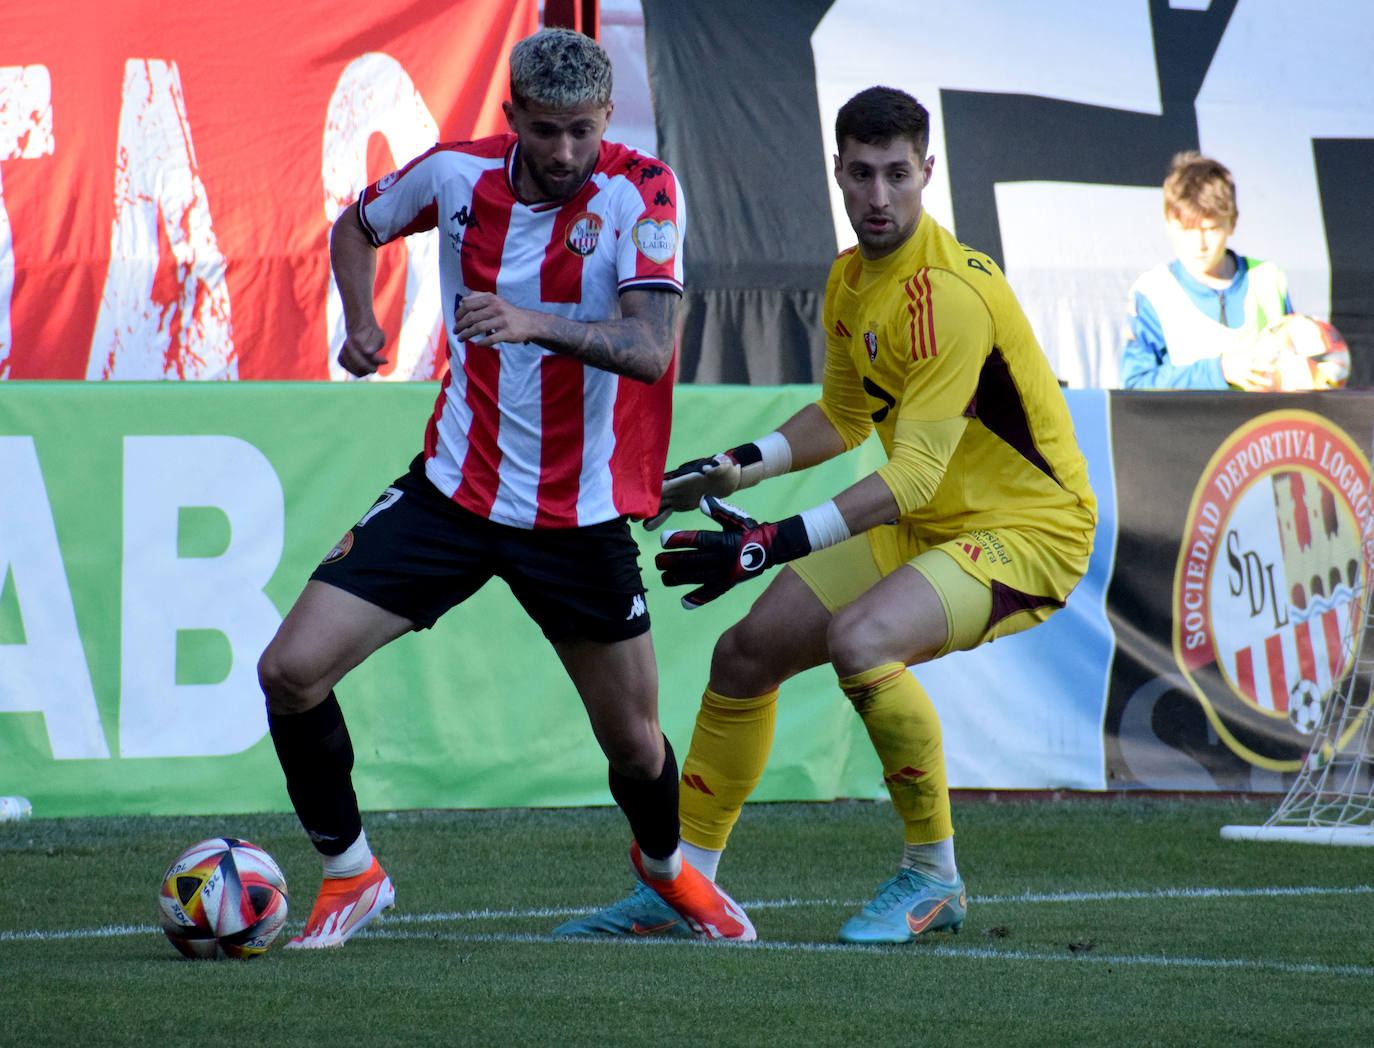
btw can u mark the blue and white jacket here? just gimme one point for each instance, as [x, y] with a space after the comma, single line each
[1177, 327]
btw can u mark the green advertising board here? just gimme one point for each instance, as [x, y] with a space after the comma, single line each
[153, 534]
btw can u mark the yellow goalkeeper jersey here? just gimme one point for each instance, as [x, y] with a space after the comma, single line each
[930, 346]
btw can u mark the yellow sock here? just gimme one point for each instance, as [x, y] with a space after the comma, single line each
[905, 731]
[725, 762]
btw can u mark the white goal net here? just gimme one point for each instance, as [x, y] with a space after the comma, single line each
[1332, 799]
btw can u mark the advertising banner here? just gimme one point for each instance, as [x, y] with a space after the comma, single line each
[168, 177]
[152, 536]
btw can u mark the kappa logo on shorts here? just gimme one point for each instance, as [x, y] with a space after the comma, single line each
[340, 549]
[637, 608]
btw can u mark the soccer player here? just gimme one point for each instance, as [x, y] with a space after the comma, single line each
[561, 270]
[1193, 323]
[979, 524]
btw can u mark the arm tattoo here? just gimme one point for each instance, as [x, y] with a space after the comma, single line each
[639, 345]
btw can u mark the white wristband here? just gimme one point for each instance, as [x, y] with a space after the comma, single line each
[824, 525]
[777, 454]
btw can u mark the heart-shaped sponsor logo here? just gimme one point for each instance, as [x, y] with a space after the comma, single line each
[657, 241]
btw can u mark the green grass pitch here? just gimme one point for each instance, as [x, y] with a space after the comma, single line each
[1098, 921]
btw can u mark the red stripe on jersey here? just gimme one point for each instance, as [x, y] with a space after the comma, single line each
[922, 316]
[560, 274]
[641, 423]
[477, 491]
[841, 330]
[484, 235]
[1335, 650]
[1278, 676]
[1245, 673]
[432, 426]
[560, 441]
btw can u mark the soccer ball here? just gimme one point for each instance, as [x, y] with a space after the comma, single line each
[1308, 354]
[1305, 707]
[223, 897]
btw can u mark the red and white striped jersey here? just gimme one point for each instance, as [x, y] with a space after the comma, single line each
[522, 435]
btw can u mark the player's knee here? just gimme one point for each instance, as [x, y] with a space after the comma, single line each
[635, 757]
[288, 688]
[742, 663]
[857, 643]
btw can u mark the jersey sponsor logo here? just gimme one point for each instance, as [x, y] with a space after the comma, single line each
[656, 241]
[871, 344]
[973, 552]
[1269, 581]
[584, 232]
[340, 549]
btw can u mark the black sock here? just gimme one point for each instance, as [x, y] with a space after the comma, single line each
[651, 806]
[316, 755]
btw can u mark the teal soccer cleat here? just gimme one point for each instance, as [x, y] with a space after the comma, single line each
[906, 906]
[640, 914]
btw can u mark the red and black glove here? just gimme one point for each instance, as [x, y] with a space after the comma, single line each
[714, 561]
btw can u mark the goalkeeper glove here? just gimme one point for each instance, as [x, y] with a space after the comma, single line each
[714, 561]
[718, 476]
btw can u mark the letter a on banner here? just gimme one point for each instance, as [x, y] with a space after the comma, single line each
[165, 592]
[375, 95]
[161, 317]
[25, 132]
[47, 673]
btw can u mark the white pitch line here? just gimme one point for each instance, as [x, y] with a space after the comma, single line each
[111, 931]
[923, 950]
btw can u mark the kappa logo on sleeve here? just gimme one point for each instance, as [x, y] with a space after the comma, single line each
[656, 241]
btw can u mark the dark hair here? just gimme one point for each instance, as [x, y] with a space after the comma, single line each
[877, 115]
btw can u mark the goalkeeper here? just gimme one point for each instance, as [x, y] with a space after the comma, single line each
[978, 525]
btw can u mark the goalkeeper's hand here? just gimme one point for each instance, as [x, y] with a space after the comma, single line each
[718, 476]
[714, 561]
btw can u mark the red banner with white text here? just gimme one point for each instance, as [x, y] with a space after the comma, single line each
[169, 174]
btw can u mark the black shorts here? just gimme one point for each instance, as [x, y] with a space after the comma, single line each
[418, 554]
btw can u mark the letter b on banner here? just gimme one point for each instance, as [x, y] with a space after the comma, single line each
[166, 592]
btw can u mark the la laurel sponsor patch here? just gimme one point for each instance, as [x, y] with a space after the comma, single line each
[656, 241]
[1267, 588]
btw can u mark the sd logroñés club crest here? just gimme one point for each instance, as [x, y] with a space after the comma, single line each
[1267, 600]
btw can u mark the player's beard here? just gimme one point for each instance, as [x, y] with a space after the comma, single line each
[560, 188]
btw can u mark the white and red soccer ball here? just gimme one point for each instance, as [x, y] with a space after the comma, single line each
[1308, 354]
[222, 897]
